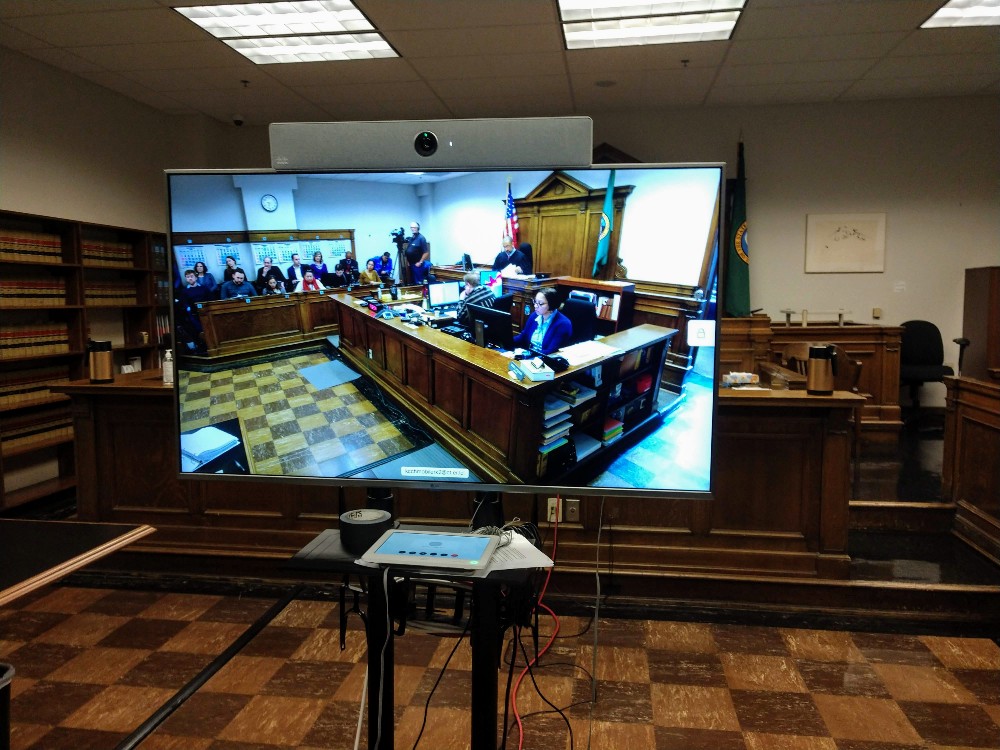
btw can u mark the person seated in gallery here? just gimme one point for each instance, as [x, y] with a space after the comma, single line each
[383, 266]
[268, 271]
[369, 275]
[238, 286]
[318, 266]
[350, 264]
[206, 279]
[295, 271]
[474, 293]
[309, 282]
[272, 286]
[193, 291]
[546, 329]
[340, 277]
[188, 332]
[527, 264]
[230, 269]
[508, 256]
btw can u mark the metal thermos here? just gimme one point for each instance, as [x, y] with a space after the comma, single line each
[821, 370]
[102, 363]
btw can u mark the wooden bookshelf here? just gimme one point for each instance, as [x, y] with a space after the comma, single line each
[62, 283]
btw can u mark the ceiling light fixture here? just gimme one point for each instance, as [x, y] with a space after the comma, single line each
[620, 23]
[288, 32]
[965, 13]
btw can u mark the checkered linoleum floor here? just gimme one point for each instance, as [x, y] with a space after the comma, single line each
[293, 428]
[94, 663]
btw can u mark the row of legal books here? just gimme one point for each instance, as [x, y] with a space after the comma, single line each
[47, 292]
[106, 253]
[36, 427]
[109, 293]
[36, 247]
[33, 340]
[159, 254]
[25, 386]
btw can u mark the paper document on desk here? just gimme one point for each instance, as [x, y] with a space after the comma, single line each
[519, 554]
[587, 351]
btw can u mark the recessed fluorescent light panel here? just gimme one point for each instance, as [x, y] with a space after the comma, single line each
[965, 13]
[624, 23]
[290, 32]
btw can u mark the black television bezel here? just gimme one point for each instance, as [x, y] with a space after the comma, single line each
[475, 487]
[480, 313]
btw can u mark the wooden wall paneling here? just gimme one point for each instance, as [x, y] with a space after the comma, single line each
[418, 369]
[981, 324]
[449, 393]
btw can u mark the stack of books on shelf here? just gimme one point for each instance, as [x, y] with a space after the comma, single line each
[555, 429]
[24, 386]
[585, 444]
[106, 253]
[109, 293]
[574, 393]
[612, 430]
[32, 428]
[30, 246]
[44, 292]
[33, 339]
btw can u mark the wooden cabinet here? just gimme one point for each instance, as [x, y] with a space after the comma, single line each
[62, 283]
[981, 324]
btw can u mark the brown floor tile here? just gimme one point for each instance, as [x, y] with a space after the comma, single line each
[821, 645]
[7, 647]
[686, 637]
[37, 660]
[67, 600]
[983, 683]
[143, 633]
[778, 713]
[63, 738]
[50, 702]
[205, 638]
[180, 607]
[451, 692]
[336, 726]
[952, 724]
[168, 742]
[308, 679]
[964, 653]
[243, 675]
[626, 702]
[25, 626]
[102, 666]
[893, 648]
[305, 614]
[686, 669]
[351, 688]
[741, 639]
[24, 736]
[868, 719]
[417, 651]
[680, 738]
[166, 670]
[84, 629]
[119, 708]
[616, 663]
[123, 603]
[444, 728]
[623, 633]
[693, 707]
[281, 720]
[842, 679]
[242, 609]
[763, 741]
[279, 642]
[758, 672]
[611, 735]
[204, 715]
[323, 644]
[930, 684]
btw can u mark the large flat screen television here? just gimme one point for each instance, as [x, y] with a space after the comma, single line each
[330, 386]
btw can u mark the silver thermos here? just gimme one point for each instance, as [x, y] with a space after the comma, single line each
[821, 370]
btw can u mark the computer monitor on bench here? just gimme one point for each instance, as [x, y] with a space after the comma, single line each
[497, 327]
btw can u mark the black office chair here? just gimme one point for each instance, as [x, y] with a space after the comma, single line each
[583, 316]
[921, 357]
[503, 302]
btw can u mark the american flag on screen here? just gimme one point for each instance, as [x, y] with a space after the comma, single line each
[510, 224]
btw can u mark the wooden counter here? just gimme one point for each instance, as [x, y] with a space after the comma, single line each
[971, 471]
[779, 513]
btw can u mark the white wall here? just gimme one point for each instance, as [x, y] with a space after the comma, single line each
[72, 149]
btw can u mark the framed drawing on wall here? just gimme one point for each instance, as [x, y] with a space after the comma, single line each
[845, 243]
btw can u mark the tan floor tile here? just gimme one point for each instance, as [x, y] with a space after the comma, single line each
[680, 636]
[205, 638]
[884, 720]
[821, 645]
[24, 736]
[994, 712]
[759, 672]
[761, 741]
[118, 709]
[84, 629]
[323, 644]
[622, 664]
[8, 647]
[615, 736]
[405, 683]
[20, 685]
[180, 607]
[167, 742]
[927, 684]
[353, 685]
[558, 690]
[445, 728]
[283, 721]
[67, 599]
[99, 666]
[243, 675]
[964, 653]
[303, 614]
[693, 707]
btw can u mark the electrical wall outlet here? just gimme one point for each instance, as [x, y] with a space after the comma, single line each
[571, 510]
[553, 512]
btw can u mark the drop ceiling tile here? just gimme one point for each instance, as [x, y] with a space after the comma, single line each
[479, 66]
[469, 88]
[533, 106]
[932, 65]
[984, 39]
[797, 49]
[215, 79]
[346, 71]
[922, 87]
[164, 56]
[818, 19]
[783, 93]
[62, 59]
[110, 27]
[779, 73]
[396, 93]
[16, 39]
[449, 42]
[653, 57]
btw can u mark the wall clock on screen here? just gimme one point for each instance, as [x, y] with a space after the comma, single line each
[269, 203]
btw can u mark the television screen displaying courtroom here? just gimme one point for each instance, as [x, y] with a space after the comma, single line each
[327, 328]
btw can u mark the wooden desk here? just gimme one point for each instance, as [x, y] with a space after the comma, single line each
[36, 553]
[465, 395]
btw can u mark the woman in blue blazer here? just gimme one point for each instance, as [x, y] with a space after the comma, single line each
[547, 329]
